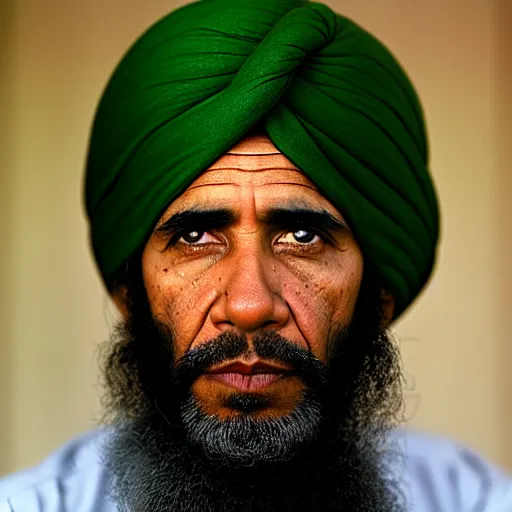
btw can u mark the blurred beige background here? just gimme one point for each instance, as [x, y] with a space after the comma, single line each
[55, 57]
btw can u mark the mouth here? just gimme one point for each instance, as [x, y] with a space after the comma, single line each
[252, 376]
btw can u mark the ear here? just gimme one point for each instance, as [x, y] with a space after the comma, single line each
[388, 307]
[119, 297]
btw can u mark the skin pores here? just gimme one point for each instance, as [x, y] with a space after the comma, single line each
[252, 245]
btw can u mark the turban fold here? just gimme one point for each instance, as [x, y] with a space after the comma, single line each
[332, 98]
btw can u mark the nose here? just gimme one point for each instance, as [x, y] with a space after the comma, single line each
[249, 296]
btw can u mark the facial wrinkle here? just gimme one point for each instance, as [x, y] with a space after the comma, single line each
[254, 169]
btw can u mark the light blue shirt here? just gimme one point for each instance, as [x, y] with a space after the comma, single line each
[438, 476]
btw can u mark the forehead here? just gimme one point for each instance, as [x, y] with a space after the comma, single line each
[252, 168]
[257, 161]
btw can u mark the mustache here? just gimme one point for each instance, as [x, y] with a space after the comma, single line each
[267, 345]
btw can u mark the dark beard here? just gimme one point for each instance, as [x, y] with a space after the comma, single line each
[331, 453]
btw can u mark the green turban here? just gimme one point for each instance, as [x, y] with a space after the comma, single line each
[332, 98]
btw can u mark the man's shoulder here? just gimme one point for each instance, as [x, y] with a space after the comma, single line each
[448, 475]
[70, 479]
[437, 474]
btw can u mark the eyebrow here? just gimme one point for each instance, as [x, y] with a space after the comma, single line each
[303, 216]
[215, 218]
[218, 218]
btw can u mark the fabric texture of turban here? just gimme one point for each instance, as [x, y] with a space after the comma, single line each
[332, 98]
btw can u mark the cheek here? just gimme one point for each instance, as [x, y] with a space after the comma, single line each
[323, 299]
[176, 297]
[160, 283]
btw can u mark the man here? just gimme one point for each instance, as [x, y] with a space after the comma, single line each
[261, 210]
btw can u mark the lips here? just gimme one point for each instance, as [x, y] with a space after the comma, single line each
[248, 376]
[250, 368]
[247, 382]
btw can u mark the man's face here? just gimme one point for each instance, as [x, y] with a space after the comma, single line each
[253, 367]
[252, 246]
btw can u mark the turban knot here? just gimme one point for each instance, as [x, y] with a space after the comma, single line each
[331, 97]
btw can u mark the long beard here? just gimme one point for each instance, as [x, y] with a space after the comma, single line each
[331, 453]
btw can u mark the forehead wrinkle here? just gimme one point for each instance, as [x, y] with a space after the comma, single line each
[211, 185]
[273, 168]
[257, 186]
[287, 183]
[243, 162]
[238, 185]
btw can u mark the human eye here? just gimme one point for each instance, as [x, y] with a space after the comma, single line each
[192, 238]
[195, 237]
[301, 240]
[300, 236]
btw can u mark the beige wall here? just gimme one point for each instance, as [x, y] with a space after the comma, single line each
[503, 109]
[6, 123]
[54, 310]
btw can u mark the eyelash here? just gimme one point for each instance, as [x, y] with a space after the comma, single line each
[175, 238]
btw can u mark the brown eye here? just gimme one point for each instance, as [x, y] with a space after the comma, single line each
[196, 238]
[301, 236]
[192, 237]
